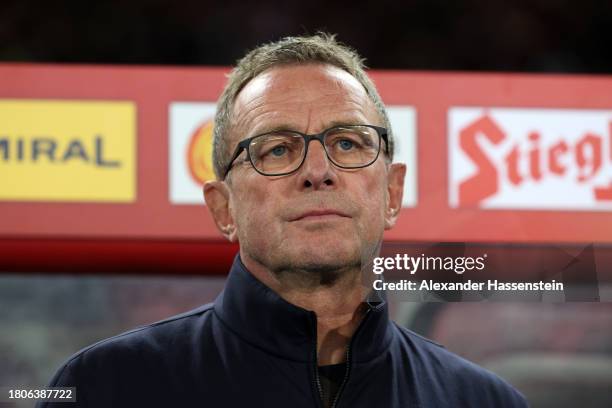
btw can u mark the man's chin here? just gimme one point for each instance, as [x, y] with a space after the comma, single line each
[326, 257]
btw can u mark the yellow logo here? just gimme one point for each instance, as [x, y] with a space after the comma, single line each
[199, 154]
[54, 150]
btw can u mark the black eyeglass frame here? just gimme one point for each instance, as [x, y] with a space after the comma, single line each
[244, 145]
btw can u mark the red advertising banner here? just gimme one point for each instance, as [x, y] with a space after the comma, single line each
[101, 152]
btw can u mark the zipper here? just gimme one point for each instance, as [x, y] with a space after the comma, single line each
[346, 375]
[317, 381]
[348, 361]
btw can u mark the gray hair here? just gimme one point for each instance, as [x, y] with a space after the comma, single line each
[319, 48]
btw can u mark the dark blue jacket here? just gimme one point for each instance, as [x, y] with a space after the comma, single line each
[251, 348]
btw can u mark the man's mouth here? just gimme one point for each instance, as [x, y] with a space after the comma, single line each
[320, 215]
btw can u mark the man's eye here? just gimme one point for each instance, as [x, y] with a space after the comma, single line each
[346, 144]
[278, 151]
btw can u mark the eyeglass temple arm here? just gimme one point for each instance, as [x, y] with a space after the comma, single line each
[237, 152]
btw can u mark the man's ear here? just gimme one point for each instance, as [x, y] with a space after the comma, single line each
[217, 197]
[395, 192]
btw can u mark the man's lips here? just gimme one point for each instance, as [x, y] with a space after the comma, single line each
[320, 215]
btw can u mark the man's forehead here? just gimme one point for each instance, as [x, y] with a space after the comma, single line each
[300, 77]
[295, 90]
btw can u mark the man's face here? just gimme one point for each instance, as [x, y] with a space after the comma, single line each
[321, 216]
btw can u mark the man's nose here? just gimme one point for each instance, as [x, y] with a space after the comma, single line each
[317, 171]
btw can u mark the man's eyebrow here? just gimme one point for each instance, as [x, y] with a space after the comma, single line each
[277, 127]
[346, 122]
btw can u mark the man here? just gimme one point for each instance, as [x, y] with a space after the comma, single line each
[306, 185]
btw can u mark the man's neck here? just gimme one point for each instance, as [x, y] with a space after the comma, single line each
[339, 308]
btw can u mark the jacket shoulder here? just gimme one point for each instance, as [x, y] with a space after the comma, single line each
[140, 343]
[121, 370]
[158, 331]
[471, 383]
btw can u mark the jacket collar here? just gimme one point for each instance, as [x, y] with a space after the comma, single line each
[261, 317]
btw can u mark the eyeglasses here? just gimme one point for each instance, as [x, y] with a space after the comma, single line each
[282, 152]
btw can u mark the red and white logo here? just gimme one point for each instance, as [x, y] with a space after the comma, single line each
[551, 159]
